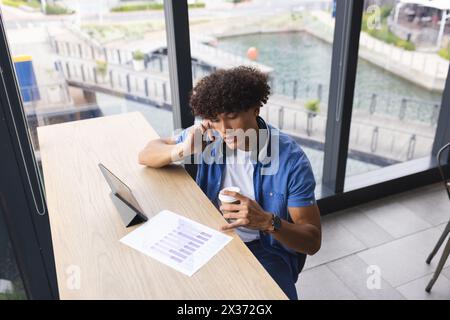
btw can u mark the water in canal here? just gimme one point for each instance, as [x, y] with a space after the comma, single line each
[307, 59]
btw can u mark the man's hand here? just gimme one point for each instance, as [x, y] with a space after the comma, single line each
[248, 213]
[194, 142]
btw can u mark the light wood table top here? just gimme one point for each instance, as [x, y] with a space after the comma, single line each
[91, 263]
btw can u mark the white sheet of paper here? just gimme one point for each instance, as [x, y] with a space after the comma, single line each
[176, 241]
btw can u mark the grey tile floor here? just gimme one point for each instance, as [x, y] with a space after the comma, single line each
[378, 250]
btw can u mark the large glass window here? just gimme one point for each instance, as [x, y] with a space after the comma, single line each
[402, 68]
[84, 59]
[292, 42]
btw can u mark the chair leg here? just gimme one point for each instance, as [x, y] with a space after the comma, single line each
[440, 266]
[439, 243]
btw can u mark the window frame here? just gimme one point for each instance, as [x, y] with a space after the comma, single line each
[22, 202]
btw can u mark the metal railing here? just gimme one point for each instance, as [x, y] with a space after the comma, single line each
[389, 143]
[397, 107]
[46, 95]
[117, 79]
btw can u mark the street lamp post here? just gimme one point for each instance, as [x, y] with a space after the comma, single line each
[445, 16]
[43, 5]
[78, 14]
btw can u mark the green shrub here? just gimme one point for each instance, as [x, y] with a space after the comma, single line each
[149, 6]
[385, 12]
[54, 9]
[102, 67]
[12, 3]
[312, 105]
[138, 7]
[407, 45]
[17, 3]
[138, 55]
[196, 5]
[445, 52]
[384, 34]
[13, 296]
[18, 292]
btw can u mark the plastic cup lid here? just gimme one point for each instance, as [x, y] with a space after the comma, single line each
[226, 198]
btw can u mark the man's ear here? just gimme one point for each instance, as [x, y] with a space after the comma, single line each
[257, 111]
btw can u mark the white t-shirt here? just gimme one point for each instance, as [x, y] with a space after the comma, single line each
[239, 173]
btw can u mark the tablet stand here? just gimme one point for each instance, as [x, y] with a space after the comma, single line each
[128, 215]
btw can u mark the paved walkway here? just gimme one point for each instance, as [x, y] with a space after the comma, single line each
[391, 238]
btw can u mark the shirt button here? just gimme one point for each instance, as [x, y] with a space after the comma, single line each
[271, 194]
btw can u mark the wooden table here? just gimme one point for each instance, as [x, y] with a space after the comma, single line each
[91, 263]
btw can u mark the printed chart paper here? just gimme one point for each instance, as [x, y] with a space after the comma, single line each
[176, 241]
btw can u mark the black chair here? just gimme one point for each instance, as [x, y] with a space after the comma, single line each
[444, 234]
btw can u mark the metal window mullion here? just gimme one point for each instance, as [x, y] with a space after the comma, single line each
[27, 223]
[180, 68]
[342, 84]
[443, 129]
[179, 58]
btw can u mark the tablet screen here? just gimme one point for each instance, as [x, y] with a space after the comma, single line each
[119, 188]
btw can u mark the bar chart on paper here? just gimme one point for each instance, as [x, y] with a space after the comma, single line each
[176, 241]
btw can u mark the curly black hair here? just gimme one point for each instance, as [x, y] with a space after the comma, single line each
[233, 90]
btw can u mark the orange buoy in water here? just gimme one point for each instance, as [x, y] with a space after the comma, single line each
[252, 53]
[213, 42]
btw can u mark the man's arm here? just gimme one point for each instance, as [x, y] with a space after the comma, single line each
[160, 152]
[304, 234]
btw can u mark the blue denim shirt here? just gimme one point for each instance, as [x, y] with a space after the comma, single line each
[282, 178]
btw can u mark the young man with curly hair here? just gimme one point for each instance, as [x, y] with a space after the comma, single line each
[277, 215]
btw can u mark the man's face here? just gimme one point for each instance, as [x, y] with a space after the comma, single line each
[229, 124]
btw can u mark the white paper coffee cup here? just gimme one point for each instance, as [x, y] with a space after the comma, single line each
[226, 198]
[229, 199]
